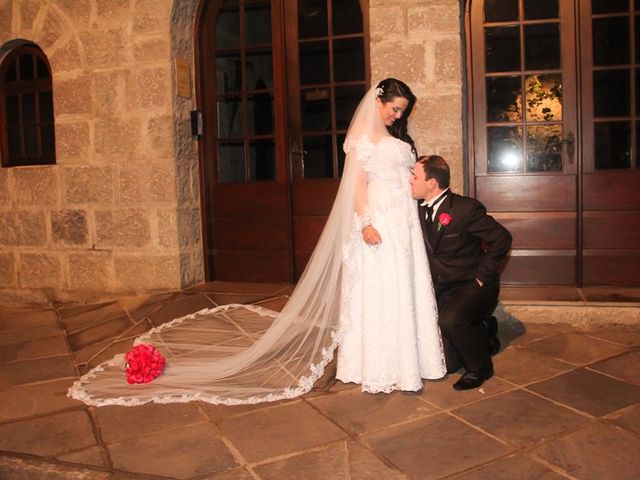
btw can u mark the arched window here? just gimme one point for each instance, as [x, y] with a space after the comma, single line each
[26, 106]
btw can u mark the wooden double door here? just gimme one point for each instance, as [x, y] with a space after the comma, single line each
[554, 135]
[278, 83]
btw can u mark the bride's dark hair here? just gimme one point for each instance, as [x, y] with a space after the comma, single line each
[393, 88]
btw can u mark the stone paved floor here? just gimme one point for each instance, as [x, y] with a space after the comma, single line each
[565, 403]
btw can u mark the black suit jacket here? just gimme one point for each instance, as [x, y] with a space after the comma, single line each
[473, 245]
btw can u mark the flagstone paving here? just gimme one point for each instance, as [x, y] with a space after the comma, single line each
[564, 403]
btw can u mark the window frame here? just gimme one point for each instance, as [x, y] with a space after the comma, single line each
[39, 86]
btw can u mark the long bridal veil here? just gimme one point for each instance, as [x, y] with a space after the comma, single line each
[289, 356]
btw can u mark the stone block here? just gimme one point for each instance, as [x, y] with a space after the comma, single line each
[123, 228]
[66, 58]
[69, 227]
[73, 96]
[168, 228]
[6, 7]
[130, 187]
[23, 228]
[28, 10]
[109, 93]
[113, 12]
[151, 16]
[149, 88]
[50, 25]
[72, 142]
[191, 268]
[189, 227]
[105, 48]
[162, 184]
[40, 270]
[151, 49]
[7, 269]
[438, 120]
[36, 186]
[440, 16]
[448, 67]
[402, 60]
[160, 135]
[387, 22]
[117, 136]
[90, 271]
[88, 184]
[140, 273]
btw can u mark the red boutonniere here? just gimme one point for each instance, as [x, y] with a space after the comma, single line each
[444, 219]
[144, 363]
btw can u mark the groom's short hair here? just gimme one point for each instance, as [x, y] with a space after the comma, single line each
[436, 167]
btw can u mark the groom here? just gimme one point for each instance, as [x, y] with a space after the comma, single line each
[466, 248]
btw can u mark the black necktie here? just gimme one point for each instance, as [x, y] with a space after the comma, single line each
[429, 215]
[432, 206]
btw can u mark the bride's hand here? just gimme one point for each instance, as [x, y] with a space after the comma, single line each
[371, 236]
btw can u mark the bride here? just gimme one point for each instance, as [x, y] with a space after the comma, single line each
[367, 288]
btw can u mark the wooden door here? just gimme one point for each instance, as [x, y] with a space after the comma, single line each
[524, 130]
[279, 81]
[555, 135]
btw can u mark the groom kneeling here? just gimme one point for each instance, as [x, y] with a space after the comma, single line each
[466, 248]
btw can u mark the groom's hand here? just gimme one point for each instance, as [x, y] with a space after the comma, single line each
[371, 236]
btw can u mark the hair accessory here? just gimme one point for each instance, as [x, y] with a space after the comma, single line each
[379, 91]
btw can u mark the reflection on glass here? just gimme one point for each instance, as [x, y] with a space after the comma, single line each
[257, 21]
[14, 142]
[314, 62]
[544, 148]
[228, 73]
[347, 17]
[611, 41]
[540, 9]
[544, 97]
[505, 149]
[502, 53]
[347, 99]
[316, 109]
[29, 108]
[500, 10]
[612, 144]
[230, 118]
[13, 112]
[312, 18]
[262, 163]
[46, 107]
[260, 114]
[504, 99]
[43, 71]
[348, 60]
[611, 95]
[318, 157]
[26, 67]
[228, 26]
[48, 145]
[230, 163]
[609, 6]
[259, 70]
[542, 46]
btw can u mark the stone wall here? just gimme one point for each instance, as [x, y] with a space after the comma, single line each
[119, 212]
[421, 43]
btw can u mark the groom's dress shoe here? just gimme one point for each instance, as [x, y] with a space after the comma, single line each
[473, 379]
[493, 344]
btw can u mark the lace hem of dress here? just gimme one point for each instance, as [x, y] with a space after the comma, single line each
[384, 388]
[78, 392]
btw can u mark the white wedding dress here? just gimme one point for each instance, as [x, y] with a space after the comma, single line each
[376, 303]
[391, 340]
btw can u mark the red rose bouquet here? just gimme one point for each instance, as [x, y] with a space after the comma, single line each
[444, 219]
[144, 363]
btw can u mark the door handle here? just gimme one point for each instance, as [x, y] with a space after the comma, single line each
[570, 142]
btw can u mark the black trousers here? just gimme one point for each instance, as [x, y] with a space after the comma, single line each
[461, 308]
